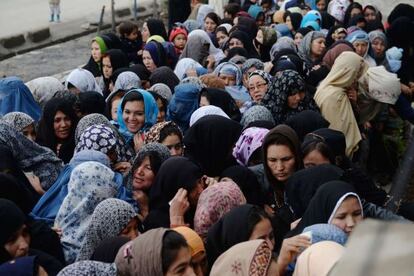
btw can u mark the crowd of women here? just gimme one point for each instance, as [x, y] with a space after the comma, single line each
[250, 139]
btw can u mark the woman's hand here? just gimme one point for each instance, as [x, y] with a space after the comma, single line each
[143, 202]
[122, 167]
[291, 248]
[178, 206]
[352, 95]
[35, 182]
[138, 141]
[268, 66]
[58, 231]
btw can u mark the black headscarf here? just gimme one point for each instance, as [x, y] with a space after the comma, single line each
[210, 142]
[141, 71]
[401, 10]
[46, 134]
[305, 122]
[118, 60]
[222, 99]
[295, 18]
[334, 139]
[91, 102]
[247, 42]
[247, 182]
[174, 173]
[156, 27]
[348, 10]
[107, 250]
[248, 25]
[166, 76]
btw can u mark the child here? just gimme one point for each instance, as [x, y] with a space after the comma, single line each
[131, 40]
[54, 10]
[178, 37]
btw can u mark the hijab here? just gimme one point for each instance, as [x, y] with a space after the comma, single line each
[18, 120]
[174, 173]
[162, 90]
[89, 184]
[249, 141]
[195, 48]
[44, 88]
[333, 101]
[246, 258]
[90, 102]
[206, 110]
[222, 99]
[156, 27]
[214, 202]
[154, 133]
[85, 268]
[229, 68]
[209, 142]
[16, 96]
[125, 81]
[305, 46]
[157, 53]
[166, 76]
[106, 250]
[183, 65]
[256, 113]
[246, 40]
[306, 122]
[12, 189]
[194, 241]
[108, 220]
[83, 80]
[143, 255]
[203, 10]
[282, 43]
[334, 51]
[327, 232]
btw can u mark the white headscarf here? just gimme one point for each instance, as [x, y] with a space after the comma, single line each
[206, 110]
[44, 88]
[185, 64]
[83, 80]
[127, 80]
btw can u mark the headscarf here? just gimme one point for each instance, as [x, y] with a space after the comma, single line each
[325, 202]
[306, 45]
[285, 84]
[174, 173]
[337, 9]
[126, 81]
[156, 27]
[185, 64]
[282, 43]
[143, 255]
[246, 40]
[269, 38]
[214, 202]
[83, 80]
[310, 261]
[183, 103]
[106, 250]
[16, 96]
[157, 52]
[283, 30]
[193, 239]
[20, 192]
[194, 47]
[256, 113]
[86, 268]
[229, 69]
[246, 258]
[191, 25]
[296, 20]
[247, 25]
[252, 62]
[48, 205]
[336, 49]
[89, 184]
[249, 141]
[334, 139]
[154, 133]
[209, 142]
[203, 10]
[224, 100]
[90, 102]
[311, 16]
[265, 76]
[327, 232]
[204, 111]
[30, 156]
[44, 88]
[164, 75]
[18, 120]
[333, 101]
[305, 122]
[20, 266]
[108, 220]
[150, 110]
[141, 71]
[161, 90]
[194, 80]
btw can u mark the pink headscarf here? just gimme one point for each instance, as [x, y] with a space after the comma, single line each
[250, 140]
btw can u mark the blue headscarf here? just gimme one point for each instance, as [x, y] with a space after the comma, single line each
[229, 68]
[358, 35]
[183, 103]
[150, 109]
[311, 16]
[16, 96]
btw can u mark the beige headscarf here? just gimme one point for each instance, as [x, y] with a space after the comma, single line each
[246, 258]
[318, 259]
[333, 101]
[142, 256]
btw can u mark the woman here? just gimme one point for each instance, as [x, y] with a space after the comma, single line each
[242, 223]
[176, 173]
[230, 73]
[16, 96]
[222, 35]
[264, 41]
[153, 27]
[81, 80]
[164, 75]
[185, 66]
[306, 122]
[111, 218]
[352, 10]
[214, 202]
[248, 149]
[360, 41]
[168, 134]
[222, 99]
[257, 114]
[205, 111]
[156, 252]
[251, 257]
[300, 34]
[312, 48]
[211, 21]
[22, 123]
[287, 96]
[209, 142]
[111, 61]
[331, 97]
[378, 43]
[336, 33]
[293, 21]
[258, 85]
[137, 112]
[57, 127]
[44, 88]
[154, 55]
[242, 40]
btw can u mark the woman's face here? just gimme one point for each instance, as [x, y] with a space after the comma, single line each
[143, 176]
[294, 100]
[318, 47]
[289, 23]
[321, 5]
[314, 158]
[30, 132]
[263, 230]
[257, 88]
[114, 109]
[182, 264]
[204, 101]
[145, 32]
[228, 79]
[379, 47]
[161, 111]
[298, 39]
[234, 42]
[209, 25]
[174, 144]
[370, 14]
[18, 244]
[361, 47]
[340, 36]
[148, 61]
[199, 263]
[348, 214]
[62, 125]
[131, 230]
[259, 36]
[96, 51]
[355, 11]
[281, 161]
[221, 38]
[107, 67]
[134, 115]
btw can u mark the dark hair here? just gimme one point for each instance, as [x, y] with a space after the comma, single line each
[126, 28]
[322, 148]
[347, 17]
[270, 2]
[131, 97]
[172, 242]
[256, 157]
[213, 16]
[232, 9]
[91, 102]
[170, 130]
[256, 215]
[158, 97]
[222, 29]
[154, 158]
